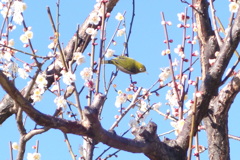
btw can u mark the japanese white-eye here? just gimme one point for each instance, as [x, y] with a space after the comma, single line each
[127, 65]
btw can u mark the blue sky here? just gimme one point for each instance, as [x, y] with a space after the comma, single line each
[146, 45]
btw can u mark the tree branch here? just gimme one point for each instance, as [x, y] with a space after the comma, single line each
[211, 83]
[217, 120]
[6, 105]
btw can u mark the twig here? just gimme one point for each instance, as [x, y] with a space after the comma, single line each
[113, 154]
[170, 58]
[102, 43]
[234, 137]
[11, 152]
[213, 11]
[193, 122]
[56, 33]
[69, 146]
[78, 101]
[37, 146]
[197, 147]
[166, 133]
[166, 116]
[5, 19]
[114, 34]
[133, 103]
[231, 71]
[30, 54]
[180, 115]
[223, 29]
[191, 56]
[131, 23]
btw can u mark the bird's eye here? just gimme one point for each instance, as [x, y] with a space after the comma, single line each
[140, 69]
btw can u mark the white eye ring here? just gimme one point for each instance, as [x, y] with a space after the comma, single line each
[140, 69]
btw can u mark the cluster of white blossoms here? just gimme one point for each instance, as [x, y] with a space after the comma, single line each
[120, 99]
[33, 156]
[122, 31]
[92, 32]
[163, 76]
[172, 99]
[87, 76]
[15, 10]
[68, 77]
[8, 66]
[94, 19]
[178, 125]
[30, 156]
[24, 72]
[26, 36]
[39, 89]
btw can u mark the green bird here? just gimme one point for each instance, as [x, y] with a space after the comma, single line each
[127, 65]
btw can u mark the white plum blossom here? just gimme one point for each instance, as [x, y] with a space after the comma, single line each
[22, 73]
[5, 10]
[6, 55]
[91, 31]
[37, 94]
[17, 18]
[69, 77]
[156, 106]
[33, 156]
[86, 73]
[9, 68]
[60, 102]
[15, 146]
[54, 88]
[29, 34]
[19, 6]
[233, 7]
[27, 67]
[94, 18]
[26, 36]
[41, 80]
[11, 42]
[120, 99]
[109, 53]
[172, 98]
[143, 106]
[119, 17]
[121, 32]
[178, 126]
[166, 72]
[79, 58]
[69, 90]
[51, 45]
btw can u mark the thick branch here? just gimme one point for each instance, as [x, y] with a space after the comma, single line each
[207, 41]
[217, 120]
[40, 118]
[146, 141]
[211, 83]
